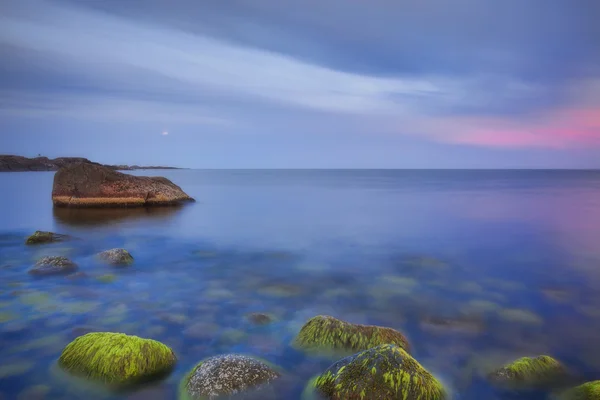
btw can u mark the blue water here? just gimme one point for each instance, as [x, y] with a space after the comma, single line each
[508, 260]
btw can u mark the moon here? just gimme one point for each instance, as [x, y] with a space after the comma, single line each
[165, 133]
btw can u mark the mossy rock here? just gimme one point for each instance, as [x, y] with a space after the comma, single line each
[226, 375]
[382, 372]
[53, 265]
[40, 237]
[116, 257]
[529, 372]
[328, 333]
[116, 359]
[587, 391]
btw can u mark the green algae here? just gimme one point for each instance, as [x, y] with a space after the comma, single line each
[587, 391]
[328, 333]
[382, 372]
[6, 316]
[106, 278]
[79, 307]
[529, 371]
[115, 358]
[34, 298]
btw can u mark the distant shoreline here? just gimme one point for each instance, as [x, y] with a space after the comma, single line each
[12, 163]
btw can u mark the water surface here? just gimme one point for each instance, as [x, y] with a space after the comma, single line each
[475, 267]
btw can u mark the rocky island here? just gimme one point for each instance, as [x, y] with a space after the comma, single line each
[11, 163]
[89, 185]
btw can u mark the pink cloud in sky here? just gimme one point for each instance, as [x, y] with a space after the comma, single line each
[570, 127]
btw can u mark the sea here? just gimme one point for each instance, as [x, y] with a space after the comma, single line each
[476, 267]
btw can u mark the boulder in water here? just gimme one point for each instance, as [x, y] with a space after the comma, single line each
[91, 185]
[116, 257]
[53, 265]
[40, 237]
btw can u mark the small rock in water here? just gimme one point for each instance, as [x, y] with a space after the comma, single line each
[53, 265]
[117, 257]
[226, 375]
[40, 237]
[527, 372]
[587, 391]
[260, 318]
[107, 278]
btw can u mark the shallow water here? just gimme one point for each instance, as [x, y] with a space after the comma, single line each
[475, 267]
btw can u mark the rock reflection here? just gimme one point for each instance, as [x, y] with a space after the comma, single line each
[111, 216]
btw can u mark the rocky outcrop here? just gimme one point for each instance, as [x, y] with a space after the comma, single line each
[10, 163]
[91, 185]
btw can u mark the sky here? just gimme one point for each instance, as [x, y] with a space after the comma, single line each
[303, 84]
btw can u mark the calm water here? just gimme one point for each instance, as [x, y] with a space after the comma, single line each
[475, 267]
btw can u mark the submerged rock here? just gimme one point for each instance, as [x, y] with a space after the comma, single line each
[529, 372]
[260, 318]
[117, 257]
[587, 391]
[90, 185]
[225, 375]
[382, 372]
[328, 333]
[53, 265]
[116, 359]
[40, 237]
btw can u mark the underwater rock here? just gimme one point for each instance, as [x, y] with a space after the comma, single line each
[529, 372]
[587, 391]
[106, 278]
[328, 333]
[116, 359]
[382, 372]
[40, 237]
[259, 318]
[226, 375]
[90, 185]
[463, 325]
[117, 257]
[77, 275]
[37, 392]
[202, 330]
[53, 265]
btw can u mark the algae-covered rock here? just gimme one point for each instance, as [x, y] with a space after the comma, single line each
[529, 372]
[53, 265]
[328, 333]
[587, 391]
[116, 257]
[116, 359]
[40, 237]
[382, 372]
[106, 278]
[225, 375]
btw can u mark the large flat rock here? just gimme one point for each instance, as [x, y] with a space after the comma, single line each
[92, 185]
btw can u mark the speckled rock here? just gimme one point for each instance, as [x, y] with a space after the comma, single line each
[53, 265]
[40, 237]
[225, 375]
[116, 257]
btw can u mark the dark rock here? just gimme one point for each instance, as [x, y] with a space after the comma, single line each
[259, 318]
[90, 185]
[40, 237]
[226, 375]
[117, 257]
[10, 163]
[53, 265]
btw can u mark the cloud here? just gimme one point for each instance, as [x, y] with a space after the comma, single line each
[477, 72]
